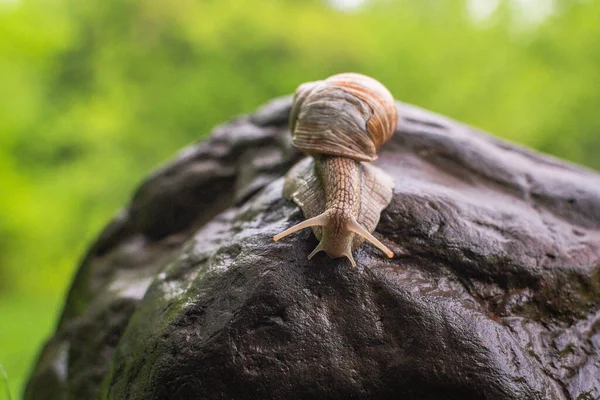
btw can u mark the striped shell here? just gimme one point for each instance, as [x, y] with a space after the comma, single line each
[348, 115]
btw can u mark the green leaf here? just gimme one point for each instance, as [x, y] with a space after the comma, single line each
[4, 391]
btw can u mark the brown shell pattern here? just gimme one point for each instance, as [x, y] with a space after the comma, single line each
[349, 115]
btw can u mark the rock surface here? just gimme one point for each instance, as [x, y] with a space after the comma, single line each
[493, 293]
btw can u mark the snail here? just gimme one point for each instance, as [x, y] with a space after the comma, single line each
[341, 122]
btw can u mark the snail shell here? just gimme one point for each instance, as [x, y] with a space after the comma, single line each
[348, 115]
[341, 122]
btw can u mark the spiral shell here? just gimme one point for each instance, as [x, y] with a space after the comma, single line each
[348, 115]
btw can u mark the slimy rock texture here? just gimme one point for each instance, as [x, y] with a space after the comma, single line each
[493, 293]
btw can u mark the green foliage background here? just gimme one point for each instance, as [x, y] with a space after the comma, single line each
[97, 93]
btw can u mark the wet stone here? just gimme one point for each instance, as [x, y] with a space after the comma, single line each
[493, 293]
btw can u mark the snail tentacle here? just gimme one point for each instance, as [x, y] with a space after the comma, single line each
[316, 250]
[355, 227]
[320, 247]
[319, 220]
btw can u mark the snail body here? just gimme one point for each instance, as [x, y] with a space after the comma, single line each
[341, 122]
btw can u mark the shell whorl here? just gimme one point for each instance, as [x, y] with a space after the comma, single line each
[349, 115]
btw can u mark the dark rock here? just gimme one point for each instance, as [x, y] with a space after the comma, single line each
[494, 292]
